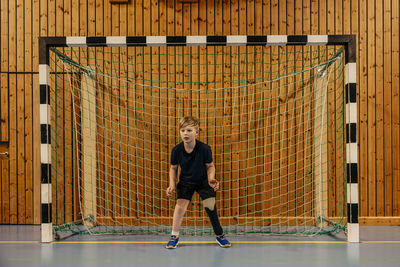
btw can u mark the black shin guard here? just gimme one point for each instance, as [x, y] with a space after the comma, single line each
[212, 214]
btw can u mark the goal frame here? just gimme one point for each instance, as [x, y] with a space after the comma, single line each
[350, 83]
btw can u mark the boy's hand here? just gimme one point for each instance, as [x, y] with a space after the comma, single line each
[214, 184]
[170, 190]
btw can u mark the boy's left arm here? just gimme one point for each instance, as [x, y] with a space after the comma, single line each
[211, 176]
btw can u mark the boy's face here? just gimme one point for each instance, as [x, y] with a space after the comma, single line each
[188, 134]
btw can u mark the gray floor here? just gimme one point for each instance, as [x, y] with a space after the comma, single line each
[19, 246]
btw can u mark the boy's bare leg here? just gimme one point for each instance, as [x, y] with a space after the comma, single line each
[179, 212]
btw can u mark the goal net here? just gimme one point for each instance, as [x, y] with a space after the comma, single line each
[274, 118]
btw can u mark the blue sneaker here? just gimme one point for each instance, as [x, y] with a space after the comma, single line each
[223, 242]
[173, 242]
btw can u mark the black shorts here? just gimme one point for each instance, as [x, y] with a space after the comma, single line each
[186, 191]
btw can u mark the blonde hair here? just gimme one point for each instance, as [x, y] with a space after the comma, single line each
[189, 121]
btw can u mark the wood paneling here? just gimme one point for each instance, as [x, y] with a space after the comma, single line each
[376, 24]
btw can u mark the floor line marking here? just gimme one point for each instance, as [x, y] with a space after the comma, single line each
[199, 242]
[199, 260]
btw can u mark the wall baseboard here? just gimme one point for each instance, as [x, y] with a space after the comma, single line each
[379, 221]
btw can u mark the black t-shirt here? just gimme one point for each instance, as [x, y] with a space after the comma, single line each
[193, 165]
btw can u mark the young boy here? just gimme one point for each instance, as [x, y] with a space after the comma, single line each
[197, 174]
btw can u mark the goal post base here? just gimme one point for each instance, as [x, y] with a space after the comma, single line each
[353, 233]
[46, 233]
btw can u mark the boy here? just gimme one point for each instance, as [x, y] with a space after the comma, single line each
[197, 174]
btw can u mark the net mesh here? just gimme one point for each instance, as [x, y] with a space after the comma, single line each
[273, 117]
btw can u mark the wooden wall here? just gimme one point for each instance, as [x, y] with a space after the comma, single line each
[376, 24]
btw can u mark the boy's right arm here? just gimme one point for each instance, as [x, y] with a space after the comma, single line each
[173, 171]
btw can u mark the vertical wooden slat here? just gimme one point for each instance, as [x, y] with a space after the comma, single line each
[347, 29]
[395, 110]
[387, 106]
[331, 119]
[36, 150]
[258, 16]
[209, 94]
[57, 150]
[99, 15]
[5, 193]
[116, 115]
[267, 104]
[74, 14]
[69, 154]
[355, 29]
[76, 79]
[148, 113]
[227, 150]
[203, 30]
[284, 115]
[100, 103]
[28, 22]
[380, 183]
[308, 93]
[172, 123]
[219, 110]
[59, 19]
[186, 23]
[91, 17]
[13, 189]
[300, 118]
[314, 29]
[250, 122]
[4, 122]
[234, 15]
[28, 150]
[131, 120]
[363, 108]
[291, 118]
[194, 16]
[35, 33]
[108, 91]
[337, 124]
[5, 182]
[346, 17]
[274, 113]
[314, 9]
[132, 132]
[371, 110]
[107, 17]
[20, 67]
[140, 116]
[61, 179]
[4, 36]
[259, 120]
[51, 16]
[124, 114]
[242, 24]
[12, 36]
[241, 127]
[68, 123]
[219, 121]
[164, 148]
[83, 18]
[225, 158]
[43, 18]
[235, 187]
[155, 128]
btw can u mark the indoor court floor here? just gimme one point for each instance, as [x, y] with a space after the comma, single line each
[379, 246]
